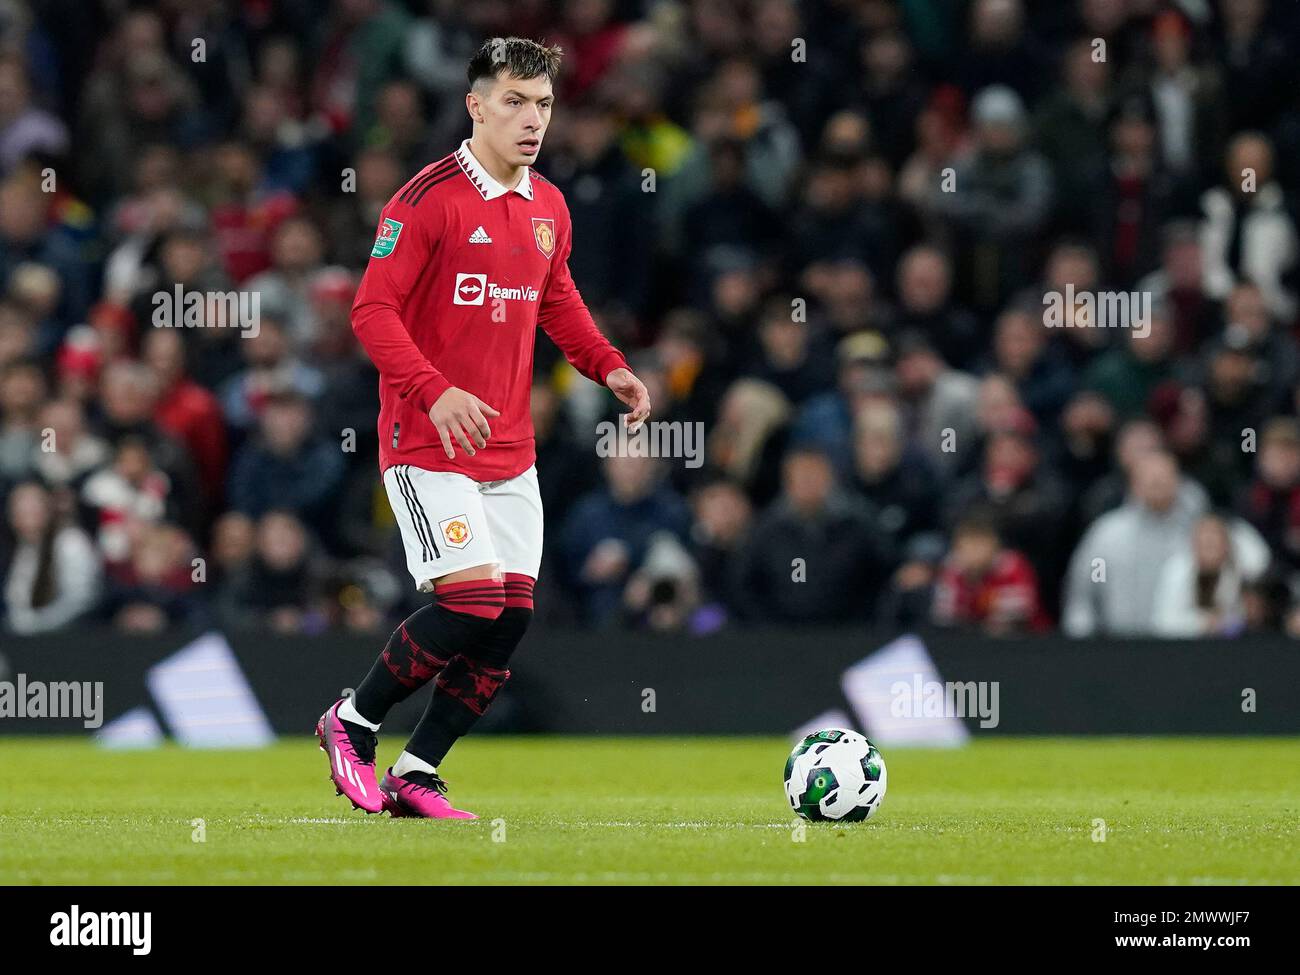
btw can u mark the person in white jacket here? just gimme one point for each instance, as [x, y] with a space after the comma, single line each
[1246, 231]
[1110, 585]
[1200, 589]
[54, 576]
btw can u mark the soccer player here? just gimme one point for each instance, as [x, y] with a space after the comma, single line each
[471, 256]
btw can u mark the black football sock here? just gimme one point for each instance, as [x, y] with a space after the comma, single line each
[426, 642]
[467, 686]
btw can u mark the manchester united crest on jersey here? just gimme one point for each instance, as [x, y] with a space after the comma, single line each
[544, 234]
[455, 531]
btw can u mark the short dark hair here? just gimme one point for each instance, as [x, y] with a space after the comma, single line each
[514, 55]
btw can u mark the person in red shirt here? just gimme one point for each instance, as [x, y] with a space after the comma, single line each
[985, 585]
[471, 257]
[188, 412]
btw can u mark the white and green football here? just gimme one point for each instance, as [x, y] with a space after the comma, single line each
[836, 775]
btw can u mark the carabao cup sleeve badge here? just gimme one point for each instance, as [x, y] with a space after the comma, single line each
[386, 239]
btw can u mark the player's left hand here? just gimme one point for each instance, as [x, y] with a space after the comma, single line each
[631, 391]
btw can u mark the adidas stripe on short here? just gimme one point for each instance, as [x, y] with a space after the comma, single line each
[451, 522]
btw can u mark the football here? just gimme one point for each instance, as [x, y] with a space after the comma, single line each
[836, 775]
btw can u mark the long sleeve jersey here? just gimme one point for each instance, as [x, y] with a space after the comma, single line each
[462, 273]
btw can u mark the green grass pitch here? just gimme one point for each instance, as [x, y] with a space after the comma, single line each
[656, 810]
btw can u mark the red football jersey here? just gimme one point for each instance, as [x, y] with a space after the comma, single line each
[461, 274]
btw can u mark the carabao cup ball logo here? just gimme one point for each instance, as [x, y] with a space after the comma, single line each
[544, 234]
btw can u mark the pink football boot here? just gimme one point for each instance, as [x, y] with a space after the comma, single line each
[351, 751]
[419, 794]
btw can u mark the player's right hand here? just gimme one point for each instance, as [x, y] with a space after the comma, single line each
[462, 415]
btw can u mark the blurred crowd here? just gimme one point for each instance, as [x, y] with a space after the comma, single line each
[824, 229]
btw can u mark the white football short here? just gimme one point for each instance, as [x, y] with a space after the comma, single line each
[451, 522]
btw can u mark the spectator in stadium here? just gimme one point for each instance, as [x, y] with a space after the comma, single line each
[728, 214]
[1177, 287]
[1110, 586]
[187, 411]
[25, 129]
[663, 593]
[363, 48]
[1201, 591]
[352, 222]
[1072, 263]
[280, 586]
[1237, 399]
[893, 93]
[1187, 96]
[151, 100]
[270, 366]
[722, 517]
[1247, 322]
[749, 437]
[986, 586]
[246, 211]
[1271, 502]
[1246, 230]
[125, 497]
[29, 235]
[1136, 438]
[37, 290]
[234, 538]
[1000, 199]
[908, 600]
[606, 206]
[285, 287]
[1070, 131]
[569, 471]
[1135, 198]
[939, 403]
[156, 587]
[287, 466]
[400, 125]
[816, 552]
[76, 453]
[1021, 490]
[1129, 373]
[791, 356]
[1000, 50]
[288, 147]
[54, 575]
[925, 305]
[894, 476]
[1025, 353]
[1087, 431]
[128, 394]
[608, 532]
[22, 389]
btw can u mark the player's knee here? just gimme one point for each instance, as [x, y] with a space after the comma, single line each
[497, 644]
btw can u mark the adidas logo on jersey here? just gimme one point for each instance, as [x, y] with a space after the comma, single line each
[480, 236]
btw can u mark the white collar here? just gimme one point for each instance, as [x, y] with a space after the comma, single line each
[487, 186]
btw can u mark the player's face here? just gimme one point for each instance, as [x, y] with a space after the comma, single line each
[515, 113]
